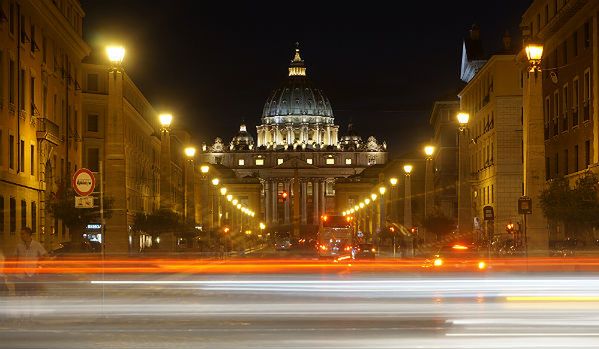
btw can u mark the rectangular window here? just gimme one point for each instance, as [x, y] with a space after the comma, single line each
[492, 193]
[1, 214]
[566, 167]
[33, 216]
[22, 31]
[241, 162]
[547, 168]
[92, 82]
[587, 154]
[309, 161]
[13, 215]
[22, 91]
[330, 161]
[32, 159]
[576, 158]
[32, 95]
[556, 165]
[586, 95]
[575, 94]
[565, 52]
[279, 161]
[93, 159]
[33, 43]
[348, 161]
[587, 35]
[259, 162]
[12, 82]
[12, 18]
[565, 108]
[92, 122]
[575, 43]
[22, 157]
[44, 50]
[11, 152]
[23, 214]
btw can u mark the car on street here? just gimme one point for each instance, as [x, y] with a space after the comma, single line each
[364, 251]
[458, 257]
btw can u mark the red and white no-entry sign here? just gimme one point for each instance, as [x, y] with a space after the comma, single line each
[84, 182]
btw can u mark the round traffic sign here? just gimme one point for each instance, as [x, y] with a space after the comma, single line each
[84, 182]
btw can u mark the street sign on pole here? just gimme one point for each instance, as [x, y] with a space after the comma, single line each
[83, 182]
[84, 201]
[524, 205]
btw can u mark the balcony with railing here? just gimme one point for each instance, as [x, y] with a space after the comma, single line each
[48, 130]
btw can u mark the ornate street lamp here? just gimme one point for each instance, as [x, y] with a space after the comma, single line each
[463, 119]
[534, 53]
[115, 55]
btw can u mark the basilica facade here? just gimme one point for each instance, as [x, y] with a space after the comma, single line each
[298, 153]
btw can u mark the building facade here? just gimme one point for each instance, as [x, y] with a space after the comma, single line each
[493, 143]
[298, 151]
[41, 49]
[444, 195]
[568, 87]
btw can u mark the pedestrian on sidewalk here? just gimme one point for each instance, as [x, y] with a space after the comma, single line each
[28, 254]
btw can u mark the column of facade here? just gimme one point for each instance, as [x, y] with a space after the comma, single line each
[304, 202]
[315, 197]
[287, 202]
[273, 199]
[317, 138]
[322, 198]
[276, 135]
[328, 135]
[267, 201]
[289, 135]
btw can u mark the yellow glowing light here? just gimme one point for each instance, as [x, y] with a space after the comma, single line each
[438, 262]
[165, 119]
[229, 197]
[429, 150]
[463, 118]
[407, 168]
[239, 206]
[262, 226]
[534, 52]
[482, 265]
[223, 191]
[356, 207]
[215, 181]
[373, 196]
[351, 210]
[344, 213]
[115, 54]
[204, 168]
[366, 201]
[235, 201]
[382, 190]
[393, 181]
[190, 152]
[361, 205]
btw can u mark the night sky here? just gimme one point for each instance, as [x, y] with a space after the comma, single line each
[214, 63]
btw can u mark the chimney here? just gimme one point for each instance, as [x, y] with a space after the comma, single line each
[507, 40]
[475, 32]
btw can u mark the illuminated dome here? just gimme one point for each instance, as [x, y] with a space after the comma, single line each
[297, 101]
[243, 140]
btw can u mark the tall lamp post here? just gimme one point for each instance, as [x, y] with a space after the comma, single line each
[165, 160]
[190, 153]
[535, 233]
[464, 210]
[429, 150]
[114, 154]
[408, 197]
[382, 208]
[394, 199]
[216, 213]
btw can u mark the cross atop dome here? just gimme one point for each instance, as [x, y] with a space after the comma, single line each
[297, 67]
